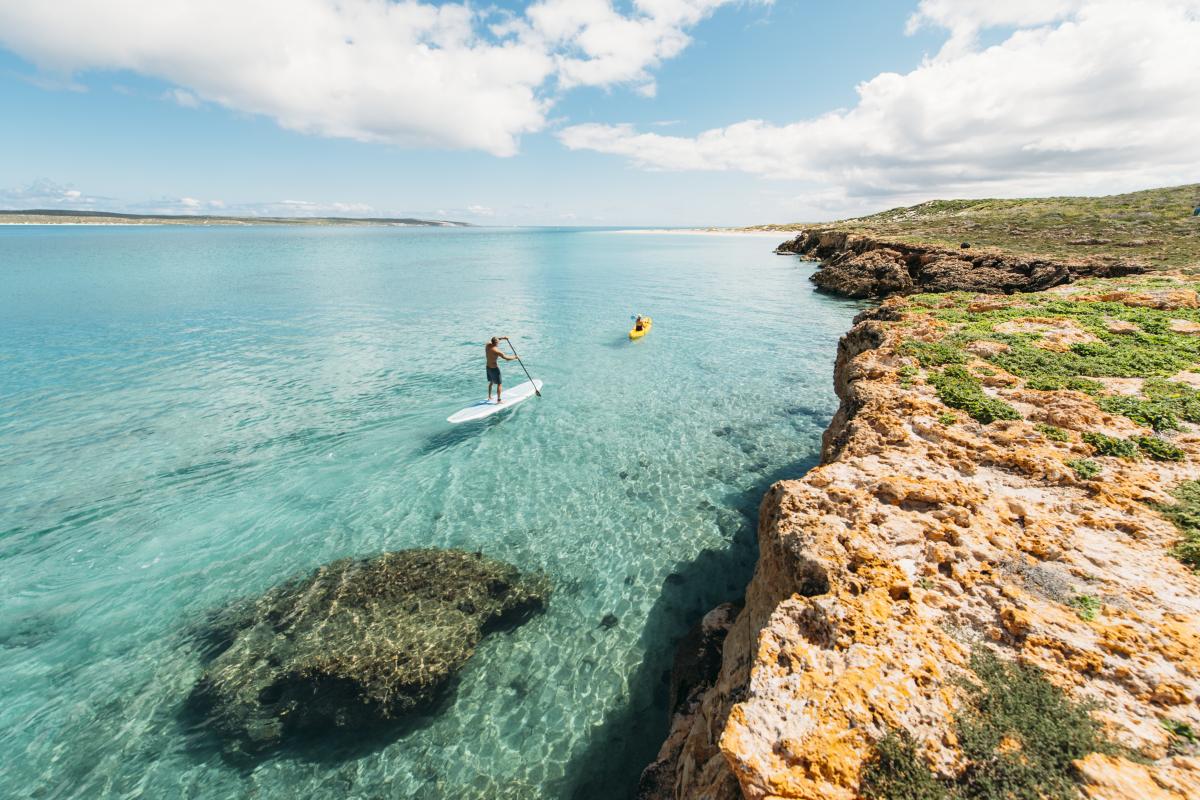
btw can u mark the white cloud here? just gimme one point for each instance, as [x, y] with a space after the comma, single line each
[964, 19]
[410, 73]
[481, 211]
[182, 97]
[309, 208]
[1094, 95]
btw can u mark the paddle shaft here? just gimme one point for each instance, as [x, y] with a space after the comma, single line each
[522, 363]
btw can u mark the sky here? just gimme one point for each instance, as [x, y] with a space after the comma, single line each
[590, 112]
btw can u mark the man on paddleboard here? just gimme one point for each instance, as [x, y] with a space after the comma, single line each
[491, 352]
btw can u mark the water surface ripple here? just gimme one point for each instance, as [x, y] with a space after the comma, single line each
[191, 415]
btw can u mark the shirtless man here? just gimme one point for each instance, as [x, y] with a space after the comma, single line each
[492, 351]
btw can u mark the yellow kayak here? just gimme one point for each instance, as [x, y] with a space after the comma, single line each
[634, 333]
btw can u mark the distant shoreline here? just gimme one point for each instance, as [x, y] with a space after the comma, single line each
[699, 232]
[41, 216]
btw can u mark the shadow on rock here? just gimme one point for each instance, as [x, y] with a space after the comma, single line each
[345, 660]
[609, 767]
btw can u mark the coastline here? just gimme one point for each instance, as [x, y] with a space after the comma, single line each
[77, 217]
[927, 539]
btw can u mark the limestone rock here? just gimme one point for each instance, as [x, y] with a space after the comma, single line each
[355, 642]
[857, 265]
[915, 542]
[876, 273]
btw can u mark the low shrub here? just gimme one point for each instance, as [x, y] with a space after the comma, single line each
[1086, 606]
[1016, 704]
[1159, 449]
[1019, 735]
[1052, 433]
[1085, 468]
[1049, 383]
[1153, 414]
[1110, 446]
[898, 772]
[958, 388]
[1185, 513]
[933, 354]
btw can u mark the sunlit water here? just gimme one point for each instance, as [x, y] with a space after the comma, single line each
[189, 416]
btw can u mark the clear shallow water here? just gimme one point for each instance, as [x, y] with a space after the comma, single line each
[188, 416]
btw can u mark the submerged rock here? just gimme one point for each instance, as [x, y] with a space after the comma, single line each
[357, 641]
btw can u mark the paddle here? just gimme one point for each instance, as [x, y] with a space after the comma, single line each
[537, 391]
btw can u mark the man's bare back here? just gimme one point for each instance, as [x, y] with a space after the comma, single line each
[492, 352]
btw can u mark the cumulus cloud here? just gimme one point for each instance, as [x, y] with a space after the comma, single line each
[1082, 95]
[410, 73]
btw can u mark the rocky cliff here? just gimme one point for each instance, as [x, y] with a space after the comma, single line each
[988, 586]
[856, 265]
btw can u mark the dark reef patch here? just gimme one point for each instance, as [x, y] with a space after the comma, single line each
[353, 645]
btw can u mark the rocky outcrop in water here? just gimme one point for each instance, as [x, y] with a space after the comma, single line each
[987, 588]
[358, 641]
[855, 265]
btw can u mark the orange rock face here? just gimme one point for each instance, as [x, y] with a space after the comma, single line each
[916, 541]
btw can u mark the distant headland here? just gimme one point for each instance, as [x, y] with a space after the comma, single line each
[44, 216]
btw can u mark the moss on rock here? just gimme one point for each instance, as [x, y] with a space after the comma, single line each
[356, 641]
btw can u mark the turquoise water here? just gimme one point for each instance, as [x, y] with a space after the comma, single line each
[191, 415]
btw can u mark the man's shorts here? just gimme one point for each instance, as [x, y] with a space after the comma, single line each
[494, 375]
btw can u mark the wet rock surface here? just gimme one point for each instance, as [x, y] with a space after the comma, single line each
[861, 266]
[357, 642]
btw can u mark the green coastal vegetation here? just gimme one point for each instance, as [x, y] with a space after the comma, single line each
[1019, 735]
[1155, 226]
[1185, 513]
[1109, 339]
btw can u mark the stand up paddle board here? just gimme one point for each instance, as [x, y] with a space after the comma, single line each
[485, 408]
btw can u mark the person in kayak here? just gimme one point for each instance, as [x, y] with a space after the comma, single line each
[639, 325]
[491, 352]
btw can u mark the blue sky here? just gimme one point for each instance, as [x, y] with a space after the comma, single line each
[760, 112]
